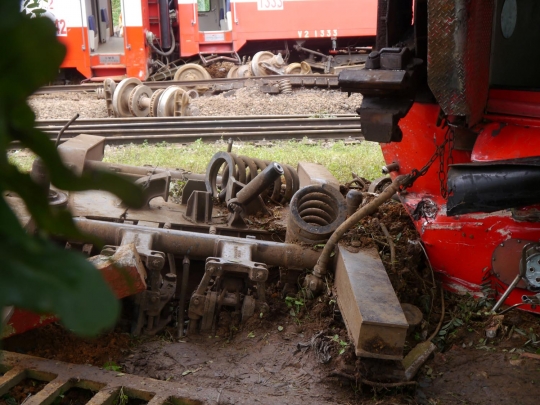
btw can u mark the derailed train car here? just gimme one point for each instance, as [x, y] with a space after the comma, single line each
[452, 109]
[139, 37]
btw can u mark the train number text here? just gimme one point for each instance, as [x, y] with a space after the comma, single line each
[317, 33]
[61, 30]
[269, 4]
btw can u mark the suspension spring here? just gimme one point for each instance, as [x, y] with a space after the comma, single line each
[245, 169]
[315, 213]
[285, 86]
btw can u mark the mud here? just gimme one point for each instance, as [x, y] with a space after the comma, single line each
[299, 352]
[462, 376]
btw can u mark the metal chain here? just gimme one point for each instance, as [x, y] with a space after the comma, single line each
[443, 171]
[438, 154]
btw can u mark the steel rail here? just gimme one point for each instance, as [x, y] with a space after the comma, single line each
[190, 125]
[116, 139]
[209, 129]
[251, 136]
[190, 129]
[223, 84]
[195, 119]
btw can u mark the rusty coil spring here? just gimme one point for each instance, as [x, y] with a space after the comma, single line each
[245, 169]
[285, 86]
[316, 212]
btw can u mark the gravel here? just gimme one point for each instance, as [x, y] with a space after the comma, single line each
[245, 101]
[66, 105]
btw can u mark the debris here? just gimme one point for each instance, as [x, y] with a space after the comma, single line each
[416, 358]
[494, 325]
[320, 346]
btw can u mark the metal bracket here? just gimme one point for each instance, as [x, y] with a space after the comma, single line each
[155, 185]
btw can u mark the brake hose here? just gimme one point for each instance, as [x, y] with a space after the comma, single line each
[171, 49]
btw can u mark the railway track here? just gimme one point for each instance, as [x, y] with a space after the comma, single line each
[209, 129]
[223, 84]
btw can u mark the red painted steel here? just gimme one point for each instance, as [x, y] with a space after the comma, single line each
[460, 248]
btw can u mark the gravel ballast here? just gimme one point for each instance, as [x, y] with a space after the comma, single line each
[245, 101]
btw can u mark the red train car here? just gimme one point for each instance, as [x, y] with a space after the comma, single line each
[134, 38]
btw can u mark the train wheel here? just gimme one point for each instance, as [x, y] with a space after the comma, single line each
[232, 71]
[154, 102]
[136, 105]
[191, 71]
[258, 58]
[120, 101]
[298, 69]
[243, 71]
[166, 105]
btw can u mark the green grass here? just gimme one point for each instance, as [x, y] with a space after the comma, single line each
[365, 159]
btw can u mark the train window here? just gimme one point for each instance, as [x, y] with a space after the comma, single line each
[514, 61]
[508, 18]
[203, 5]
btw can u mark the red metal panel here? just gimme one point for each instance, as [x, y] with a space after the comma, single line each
[459, 248]
[500, 141]
[305, 20]
[78, 50]
[188, 22]
[138, 53]
[511, 102]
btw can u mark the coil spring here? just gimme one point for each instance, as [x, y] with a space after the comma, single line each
[100, 93]
[317, 209]
[245, 169]
[285, 86]
[315, 213]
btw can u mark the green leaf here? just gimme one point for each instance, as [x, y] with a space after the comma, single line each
[39, 276]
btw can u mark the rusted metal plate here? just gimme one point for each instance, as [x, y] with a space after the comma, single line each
[75, 151]
[107, 384]
[314, 173]
[505, 260]
[459, 36]
[373, 315]
[100, 204]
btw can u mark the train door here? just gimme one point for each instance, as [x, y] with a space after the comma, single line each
[215, 29]
[116, 38]
[103, 38]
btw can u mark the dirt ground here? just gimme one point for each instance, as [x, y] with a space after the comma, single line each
[276, 358]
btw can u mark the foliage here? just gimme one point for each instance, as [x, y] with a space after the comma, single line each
[122, 398]
[33, 8]
[116, 10]
[112, 366]
[342, 344]
[36, 274]
[294, 304]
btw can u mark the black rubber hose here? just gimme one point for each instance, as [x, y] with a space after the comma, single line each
[162, 53]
